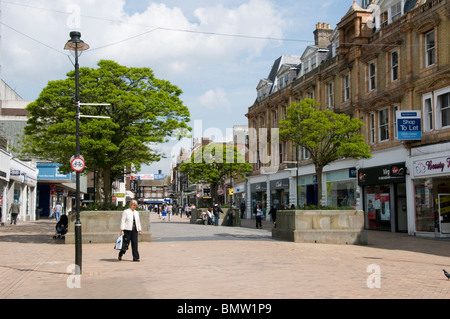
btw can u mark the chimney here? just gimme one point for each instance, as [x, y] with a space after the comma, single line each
[322, 34]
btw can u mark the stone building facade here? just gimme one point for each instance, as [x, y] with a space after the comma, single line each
[383, 58]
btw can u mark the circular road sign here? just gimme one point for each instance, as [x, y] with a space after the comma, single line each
[77, 164]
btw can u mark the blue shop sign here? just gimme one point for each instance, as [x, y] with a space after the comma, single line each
[409, 125]
[50, 171]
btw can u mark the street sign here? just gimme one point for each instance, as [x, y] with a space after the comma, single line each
[77, 164]
[409, 125]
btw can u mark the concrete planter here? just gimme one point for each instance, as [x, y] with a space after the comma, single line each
[104, 227]
[321, 226]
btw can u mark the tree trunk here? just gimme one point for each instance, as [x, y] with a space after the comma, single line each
[214, 193]
[319, 171]
[107, 189]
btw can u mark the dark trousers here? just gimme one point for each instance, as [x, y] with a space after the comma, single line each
[131, 235]
[258, 221]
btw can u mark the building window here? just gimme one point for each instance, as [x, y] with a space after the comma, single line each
[283, 152]
[346, 87]
[384, 19]
[395, 121]
[275, 118]
[430, 48]
[396, 11]
[383, 120]
[372, 128]
[428, 113]
[330, 94]
[305, 153]
[443, 106]
[372, 76]
[394, 66]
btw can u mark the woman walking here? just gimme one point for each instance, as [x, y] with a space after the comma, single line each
[130, 228]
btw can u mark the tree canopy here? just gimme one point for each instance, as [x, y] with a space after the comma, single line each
[213, 163]
[143, 110]
[328, 136]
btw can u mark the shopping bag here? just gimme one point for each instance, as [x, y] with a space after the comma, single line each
[119, 243]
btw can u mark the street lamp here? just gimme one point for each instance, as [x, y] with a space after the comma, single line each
[296, 173]
[76, 47]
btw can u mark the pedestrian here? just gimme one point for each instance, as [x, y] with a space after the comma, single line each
[216, 211]
[169, 211]
[130, 228]
[14, 210]
[273, 213]
[186, 210]
[57, 211]
[164, 212]
[208, 212]
[259, 215]
[242, 208]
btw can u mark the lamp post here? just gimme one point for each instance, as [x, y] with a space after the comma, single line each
[296, 173]
[76, 47]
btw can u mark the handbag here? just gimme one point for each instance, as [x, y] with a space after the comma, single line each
[119, 243]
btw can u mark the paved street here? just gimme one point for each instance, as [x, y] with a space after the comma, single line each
[186, 261]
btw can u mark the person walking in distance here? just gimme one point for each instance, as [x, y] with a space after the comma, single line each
[130, 228]
[259, 215]
[14, 210]
[57, 211]
[216, 211]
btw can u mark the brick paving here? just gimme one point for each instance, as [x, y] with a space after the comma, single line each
[187, 261]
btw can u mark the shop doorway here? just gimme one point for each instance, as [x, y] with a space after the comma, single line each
[401, 216]
[378, 207]
[311, 194]
[444, 213]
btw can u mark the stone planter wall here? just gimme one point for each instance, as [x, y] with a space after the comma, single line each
[104, 227]
[321, 226]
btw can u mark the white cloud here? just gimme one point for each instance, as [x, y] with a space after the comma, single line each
[215, 99]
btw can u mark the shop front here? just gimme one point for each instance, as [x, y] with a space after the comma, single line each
[5, 159]
[307, 190]
[341, 188]
[258, 194]
[431, 182]
[56, 187]
[279, 190]
[384, 197]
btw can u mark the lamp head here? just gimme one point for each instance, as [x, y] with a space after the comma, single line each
[75, 45]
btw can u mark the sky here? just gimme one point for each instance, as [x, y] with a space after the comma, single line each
[216, 52]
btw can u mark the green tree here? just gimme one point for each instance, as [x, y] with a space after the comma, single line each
[143, 110]
[213, 163]
[327, 136]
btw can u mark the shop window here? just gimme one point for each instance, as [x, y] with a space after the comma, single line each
[378, 207]
[426, 211]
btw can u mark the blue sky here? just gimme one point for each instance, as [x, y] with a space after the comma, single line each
[230, 46]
